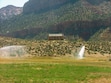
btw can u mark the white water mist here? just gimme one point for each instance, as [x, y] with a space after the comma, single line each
[13, 51]
[81, 52]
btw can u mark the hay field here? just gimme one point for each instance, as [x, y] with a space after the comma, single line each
[55, 70]
[53, 62]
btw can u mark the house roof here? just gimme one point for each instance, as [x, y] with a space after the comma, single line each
[60, 34]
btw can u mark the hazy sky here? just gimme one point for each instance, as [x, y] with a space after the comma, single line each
[18, 3]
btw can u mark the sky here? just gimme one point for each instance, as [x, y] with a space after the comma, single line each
[18, 3]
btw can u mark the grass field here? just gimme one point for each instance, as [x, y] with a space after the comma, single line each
[55, 70]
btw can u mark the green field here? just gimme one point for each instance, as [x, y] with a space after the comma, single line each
[54, 70]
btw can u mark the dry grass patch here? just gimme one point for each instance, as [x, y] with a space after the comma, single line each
[100, 78]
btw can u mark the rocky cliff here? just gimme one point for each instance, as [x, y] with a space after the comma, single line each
[10, 11]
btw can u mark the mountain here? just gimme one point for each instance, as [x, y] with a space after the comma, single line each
[9, 11]
[39, 6]
[83, 18]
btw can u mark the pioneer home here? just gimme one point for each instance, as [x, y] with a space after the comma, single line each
[56, 36]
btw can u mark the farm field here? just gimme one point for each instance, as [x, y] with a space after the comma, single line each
[55, 70]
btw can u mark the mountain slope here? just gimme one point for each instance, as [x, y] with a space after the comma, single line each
[39, 6]
[70, 18]
[97, 2]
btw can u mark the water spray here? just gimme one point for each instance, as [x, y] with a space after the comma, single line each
[79, 54]
[13, 51]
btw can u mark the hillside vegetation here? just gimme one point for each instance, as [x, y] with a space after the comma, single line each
[37, 48]
[73, 18]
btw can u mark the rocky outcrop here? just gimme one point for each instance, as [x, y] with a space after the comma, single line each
[9, 11]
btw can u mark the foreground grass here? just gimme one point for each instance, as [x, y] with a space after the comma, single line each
[54, 71]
